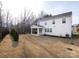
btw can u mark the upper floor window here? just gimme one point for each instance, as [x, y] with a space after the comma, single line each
[64, 20]
[45, 23]
[53, 22]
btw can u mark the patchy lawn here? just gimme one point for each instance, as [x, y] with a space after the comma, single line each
[39, 46]
[7, 50]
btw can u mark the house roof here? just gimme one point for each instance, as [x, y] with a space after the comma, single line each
[36, 26]
[39, 25]
[55, 16]
[63, 14]
[52, 17]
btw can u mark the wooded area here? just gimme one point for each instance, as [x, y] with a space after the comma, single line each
[21, 24]
[6, 21]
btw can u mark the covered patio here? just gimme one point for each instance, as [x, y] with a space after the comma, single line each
[36, 30]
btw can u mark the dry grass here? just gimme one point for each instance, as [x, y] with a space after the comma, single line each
[55, 47]
[6, 49]
[34, 46]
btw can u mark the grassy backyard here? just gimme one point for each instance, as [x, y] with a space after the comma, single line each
[39, 46]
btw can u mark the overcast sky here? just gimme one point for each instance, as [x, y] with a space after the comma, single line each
[16, 7]
[63, 6]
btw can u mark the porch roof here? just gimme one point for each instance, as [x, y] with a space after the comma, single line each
[37, 26]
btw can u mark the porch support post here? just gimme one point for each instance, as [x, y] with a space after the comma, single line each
[37, 31]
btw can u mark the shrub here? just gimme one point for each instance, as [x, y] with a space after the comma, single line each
[14, 35]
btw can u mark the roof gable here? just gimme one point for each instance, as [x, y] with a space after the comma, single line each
[52, 17]
[56, 16]
[36, 26]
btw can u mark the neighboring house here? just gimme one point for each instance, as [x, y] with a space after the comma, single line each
[57, 25]
[75, 29]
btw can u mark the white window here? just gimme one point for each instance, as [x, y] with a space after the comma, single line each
[48, 29]
[45, 23]
[45, 30]
[64, 20]
[53, 22]
[40, 30]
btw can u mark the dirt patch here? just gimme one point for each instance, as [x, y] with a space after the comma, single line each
[6, 49]
[37, 46]
[56, 48]
[70, 49]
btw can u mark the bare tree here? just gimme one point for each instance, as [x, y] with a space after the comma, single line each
[3, 30]
[27, 18]
[8, 19]
[0, 14]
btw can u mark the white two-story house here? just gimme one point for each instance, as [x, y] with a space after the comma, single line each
[57, 25]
